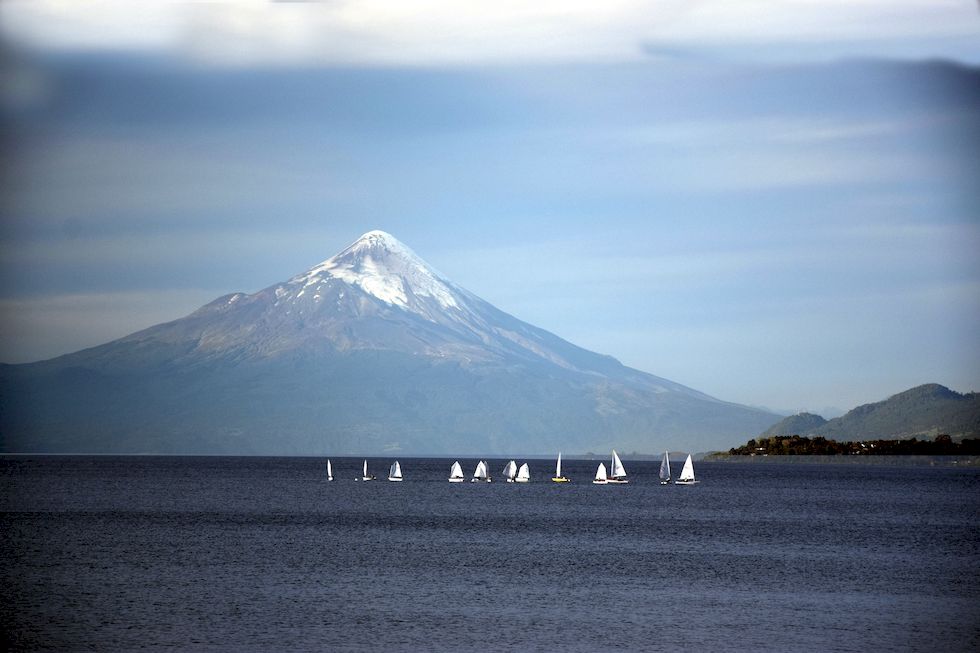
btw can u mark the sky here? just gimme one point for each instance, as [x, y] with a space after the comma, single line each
[774, 202]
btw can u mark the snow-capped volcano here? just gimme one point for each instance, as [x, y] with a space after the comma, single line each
[377, 294]
[370, 350]
[374, 294]
[383, 267]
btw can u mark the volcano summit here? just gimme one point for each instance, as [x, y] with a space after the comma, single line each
[370, 351]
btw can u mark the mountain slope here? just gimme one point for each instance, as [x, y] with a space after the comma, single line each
[924, 412]
[371, 350]
[795, 425]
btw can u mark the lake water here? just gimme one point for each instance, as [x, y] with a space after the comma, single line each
[262, 554]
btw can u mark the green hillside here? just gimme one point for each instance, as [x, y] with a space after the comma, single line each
[922, 412]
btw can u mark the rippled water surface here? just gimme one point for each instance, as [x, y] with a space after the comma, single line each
[118, 553]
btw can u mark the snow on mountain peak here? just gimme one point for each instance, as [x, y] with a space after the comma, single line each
[379, 239]
[382, 266]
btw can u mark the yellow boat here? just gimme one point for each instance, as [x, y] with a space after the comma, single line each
[558, 478]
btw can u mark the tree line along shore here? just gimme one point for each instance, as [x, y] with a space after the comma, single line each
[797, 445]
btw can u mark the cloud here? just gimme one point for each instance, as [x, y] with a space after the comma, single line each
[448, 32]
[178, 172]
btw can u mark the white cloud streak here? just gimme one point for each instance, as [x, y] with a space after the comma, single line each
[448, 32]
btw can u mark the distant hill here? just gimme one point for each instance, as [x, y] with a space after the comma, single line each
[921, 412]
[796, 425]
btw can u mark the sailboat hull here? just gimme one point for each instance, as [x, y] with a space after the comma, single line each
[686, 482]
[617, 481]
[394, 479]
[560, 479]
[600, 482]
[456, 480]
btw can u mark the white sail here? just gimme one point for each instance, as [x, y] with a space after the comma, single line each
[510, 470]
[600, 474]
[455, 473]
[523, 474]
[616, 469]
[665, 468]
[687, 474]
[480, 472]
[395, 473]
[365, 468]
[329, 471]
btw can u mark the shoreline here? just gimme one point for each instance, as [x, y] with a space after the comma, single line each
[910, 460]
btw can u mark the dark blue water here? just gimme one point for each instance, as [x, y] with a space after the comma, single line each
[263, 554]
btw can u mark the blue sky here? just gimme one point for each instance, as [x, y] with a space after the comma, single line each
[755, 199]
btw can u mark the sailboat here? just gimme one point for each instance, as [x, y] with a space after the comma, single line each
[365, 476]
[600, 475]
[665, 470]
[456, 473]
[510, 471]
[558, 478]
[395, 473]
[617, 473]
[480, 473]
[523, 474]
[329, 471]
[687, 474]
